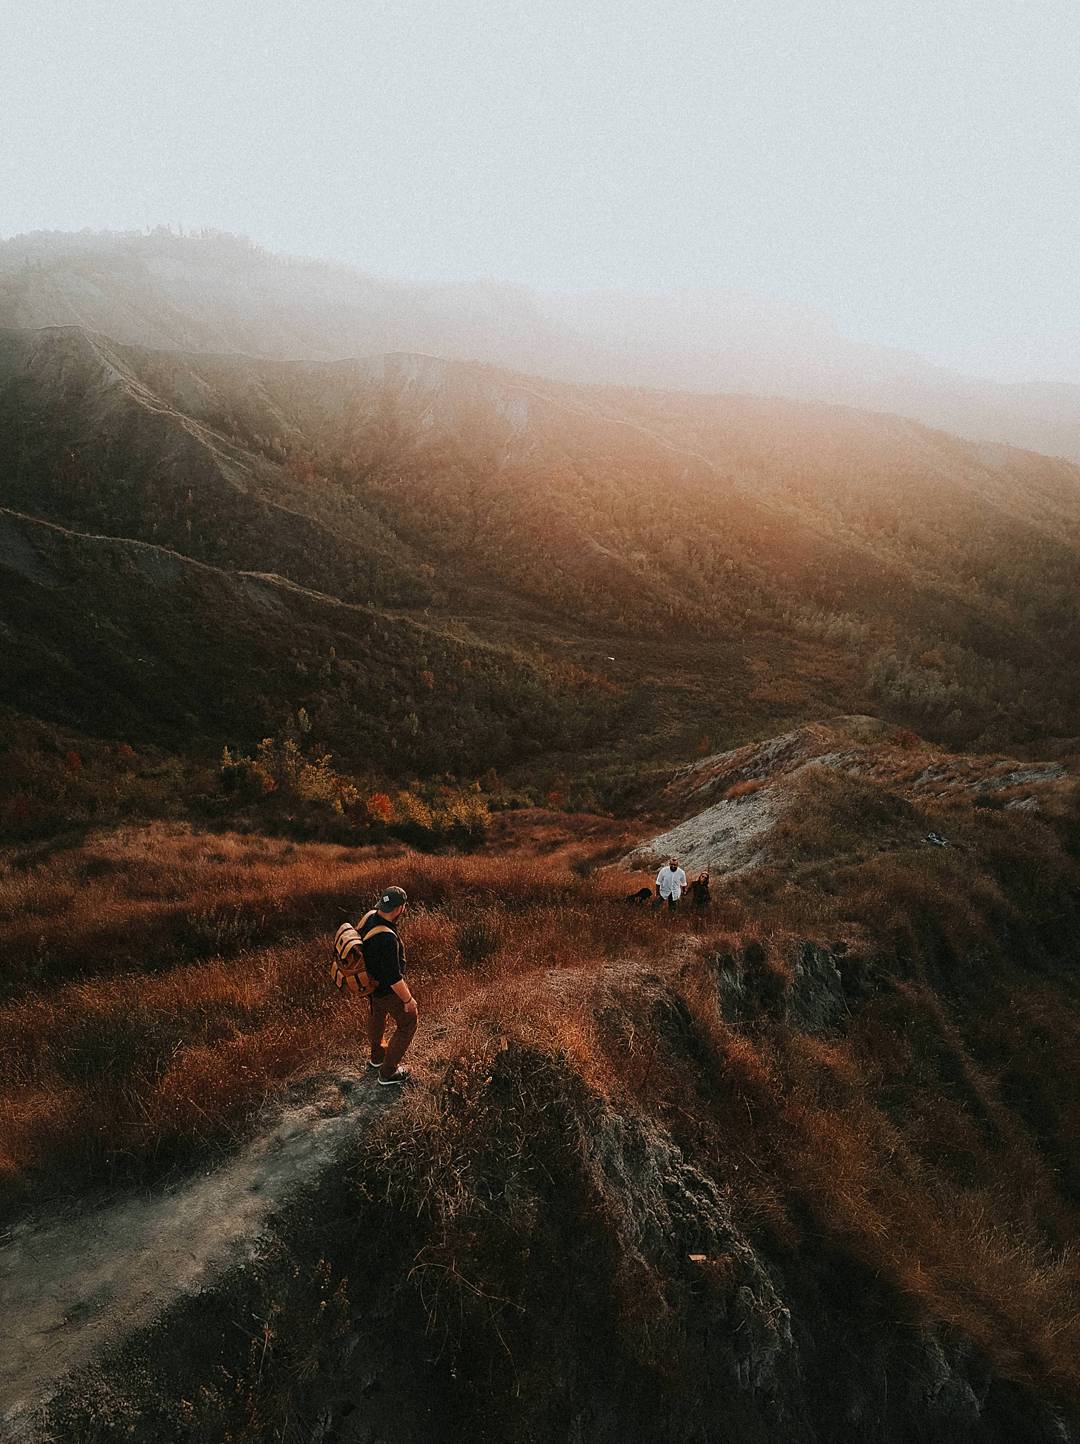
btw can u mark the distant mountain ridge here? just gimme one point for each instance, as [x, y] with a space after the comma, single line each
[749, 560]
[221, 293]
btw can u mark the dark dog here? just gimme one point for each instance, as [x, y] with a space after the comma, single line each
[643, 894]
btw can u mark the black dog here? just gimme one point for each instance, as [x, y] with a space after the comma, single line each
[643, 894]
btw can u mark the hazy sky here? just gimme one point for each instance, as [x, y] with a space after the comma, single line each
[910, 167]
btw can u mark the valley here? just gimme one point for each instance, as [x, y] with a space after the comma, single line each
[282, 623]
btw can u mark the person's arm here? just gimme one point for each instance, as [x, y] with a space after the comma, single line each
[395, 957]
[401, 988]
[384, 963]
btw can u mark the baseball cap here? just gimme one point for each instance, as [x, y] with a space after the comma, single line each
[392, 898]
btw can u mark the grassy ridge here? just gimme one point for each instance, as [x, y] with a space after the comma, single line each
[904, 1089]
[194, 1014]
[138, 644]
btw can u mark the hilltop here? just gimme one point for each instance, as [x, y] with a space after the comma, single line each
[217, 293]
[746, 806]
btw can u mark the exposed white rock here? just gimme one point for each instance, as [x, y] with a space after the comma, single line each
[726, 837]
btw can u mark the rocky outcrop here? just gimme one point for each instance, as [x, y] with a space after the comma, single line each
[752, 789]
[566, 1272]
[727, 836]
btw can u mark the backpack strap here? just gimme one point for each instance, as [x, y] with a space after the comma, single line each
[358, 981]
[371, 932]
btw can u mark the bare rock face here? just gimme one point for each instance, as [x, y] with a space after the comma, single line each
[666, 1215]
[726, 836]
[744, 793]
[814, 999]
[873, 780]
[818, 1003]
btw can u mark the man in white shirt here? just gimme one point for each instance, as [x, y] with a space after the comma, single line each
[670, 881]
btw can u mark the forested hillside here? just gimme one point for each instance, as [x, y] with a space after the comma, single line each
[727, 564]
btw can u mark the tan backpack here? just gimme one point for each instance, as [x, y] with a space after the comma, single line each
[347, 969]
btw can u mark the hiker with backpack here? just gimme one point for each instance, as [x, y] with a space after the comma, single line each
[370, 958]
[670, 881]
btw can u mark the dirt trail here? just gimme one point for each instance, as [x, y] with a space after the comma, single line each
[76, 1283]
[73, 1286]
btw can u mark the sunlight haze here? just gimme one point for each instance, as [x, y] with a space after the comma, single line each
[910, 172]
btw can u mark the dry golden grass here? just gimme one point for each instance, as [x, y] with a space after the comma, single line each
[135, 1059]
[743, 789]
[159, 895]
[849, 1147]
[930, 1139]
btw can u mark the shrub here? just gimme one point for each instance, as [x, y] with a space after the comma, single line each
[379, 807]
[743, 789]
[478, 938]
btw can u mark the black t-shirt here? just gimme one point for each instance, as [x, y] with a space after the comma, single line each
[384, 954]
